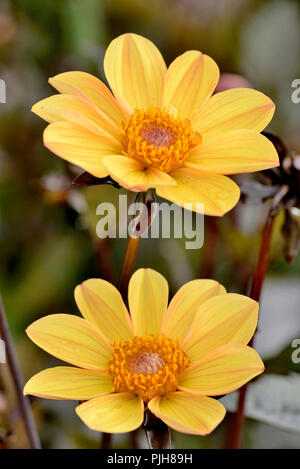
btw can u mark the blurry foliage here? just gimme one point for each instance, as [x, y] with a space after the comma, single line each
[272, 399]
[47, 235]
[282, 363]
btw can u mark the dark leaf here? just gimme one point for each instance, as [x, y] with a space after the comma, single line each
[86, 179]
[278, 144]
[284, 157]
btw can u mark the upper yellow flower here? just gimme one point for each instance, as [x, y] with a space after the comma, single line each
[169, 358]
[160, 128]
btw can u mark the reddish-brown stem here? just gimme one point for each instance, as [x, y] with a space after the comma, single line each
[127, 269]
[258, 279]
[142, 224]
[128, 264]
[23, 402]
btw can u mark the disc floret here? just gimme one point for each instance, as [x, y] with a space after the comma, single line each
[147, 366]
[157, 138]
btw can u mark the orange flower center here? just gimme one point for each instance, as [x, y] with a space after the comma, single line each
[147, 366]
[158, 139]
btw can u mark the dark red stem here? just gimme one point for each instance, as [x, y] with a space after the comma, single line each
[258, 280]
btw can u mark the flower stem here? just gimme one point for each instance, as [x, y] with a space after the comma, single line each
[23, 402]
[258, 280]
[140, 226]
[147, 198]
[106, 441]
[157, 432]
[128, 264]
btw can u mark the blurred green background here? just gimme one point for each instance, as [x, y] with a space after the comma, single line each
[47, 226]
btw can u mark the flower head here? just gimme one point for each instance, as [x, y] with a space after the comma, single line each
[160, 128]
[168, 359]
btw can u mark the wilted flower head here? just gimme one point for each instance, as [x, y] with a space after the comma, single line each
[161, 128]
[282, 185]
[168, 359]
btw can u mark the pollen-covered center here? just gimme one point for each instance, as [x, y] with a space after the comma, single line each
[158, 139]
[147, 366]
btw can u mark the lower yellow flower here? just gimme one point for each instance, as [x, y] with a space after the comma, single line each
[166, 358]
[160, 127]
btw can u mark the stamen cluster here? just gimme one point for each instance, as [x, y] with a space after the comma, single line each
[158, 139]
[147, 366]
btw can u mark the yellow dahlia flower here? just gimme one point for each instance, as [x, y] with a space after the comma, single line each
[161, 128]
[166, 358]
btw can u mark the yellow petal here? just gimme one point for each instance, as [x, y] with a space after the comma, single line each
[236, 151]
[183, 306]
[226, 319]
[218, 193]
[64, 382]
[132, 175]
[79, 146]
[240, 108]
[222, 371]
[148, 299]
[62, 107]
[190, 81]
[102, 305]
[92, 90]
[112, 413]
[135, 70]
[71, 339]
[185, 413]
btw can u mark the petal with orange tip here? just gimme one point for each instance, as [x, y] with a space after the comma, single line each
[79, 146]
[61, 107]
[112, 413]
[236, 151]
[93, 91]
[189, 83]
[132, 175]
[64, 382]
[239, 108]
[216, 192]
[101, 304]
[226, 319]
[221, 371]
[71, 339]
[148, 294]
[135, 71]
[183, 306]
[185, 413]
